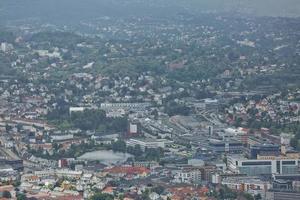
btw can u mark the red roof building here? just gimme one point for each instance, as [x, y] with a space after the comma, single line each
[128, 171]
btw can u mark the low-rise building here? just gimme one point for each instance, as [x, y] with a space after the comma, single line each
[252, 185]
[68, 173]
[149, 143]
[10, 189]
[189, 175]
[127, 171]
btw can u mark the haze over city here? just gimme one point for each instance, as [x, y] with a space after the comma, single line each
[150, 99]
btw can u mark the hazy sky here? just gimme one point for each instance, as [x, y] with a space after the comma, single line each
[258, 7]
[77, 9]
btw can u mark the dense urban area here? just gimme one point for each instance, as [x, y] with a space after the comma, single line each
[191, 107]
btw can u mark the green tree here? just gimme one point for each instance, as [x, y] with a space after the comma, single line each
[137, 151]
[227, 193]
[172, 108]
[158, 189]
[119, 145]
[258, 197]
[155, 114]
[145, 195]
[294, 142]
[8, 128]
[88, 119]
[21, 196]
[100, 196]
[248, 196]
[153, 154]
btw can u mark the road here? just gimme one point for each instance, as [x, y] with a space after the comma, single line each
[11, 155]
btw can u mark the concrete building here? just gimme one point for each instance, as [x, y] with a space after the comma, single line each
[7, 173]
[258, 167]
[147, 164]
[148, 143]
[282, 195]
[76, 109]
[68, 173]
[192, 175]
[125, 106]
[115, 113]
[5, 47]
[14, 164]
[251, 185]
[230, 146]
[62, 137]
[133, 129]
[196, 162]
[264, 150]
[210, 130]
[283, 185]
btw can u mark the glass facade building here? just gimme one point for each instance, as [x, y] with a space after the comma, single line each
[258, 167]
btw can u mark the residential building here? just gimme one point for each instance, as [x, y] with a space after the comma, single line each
[188, 175]
[252, 185]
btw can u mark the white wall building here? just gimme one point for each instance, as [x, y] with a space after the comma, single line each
[188, 176]
[149, 143]
[62, 137]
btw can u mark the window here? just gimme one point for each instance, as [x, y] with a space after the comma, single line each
[292, 162]
[256, 163]
[278, 167]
